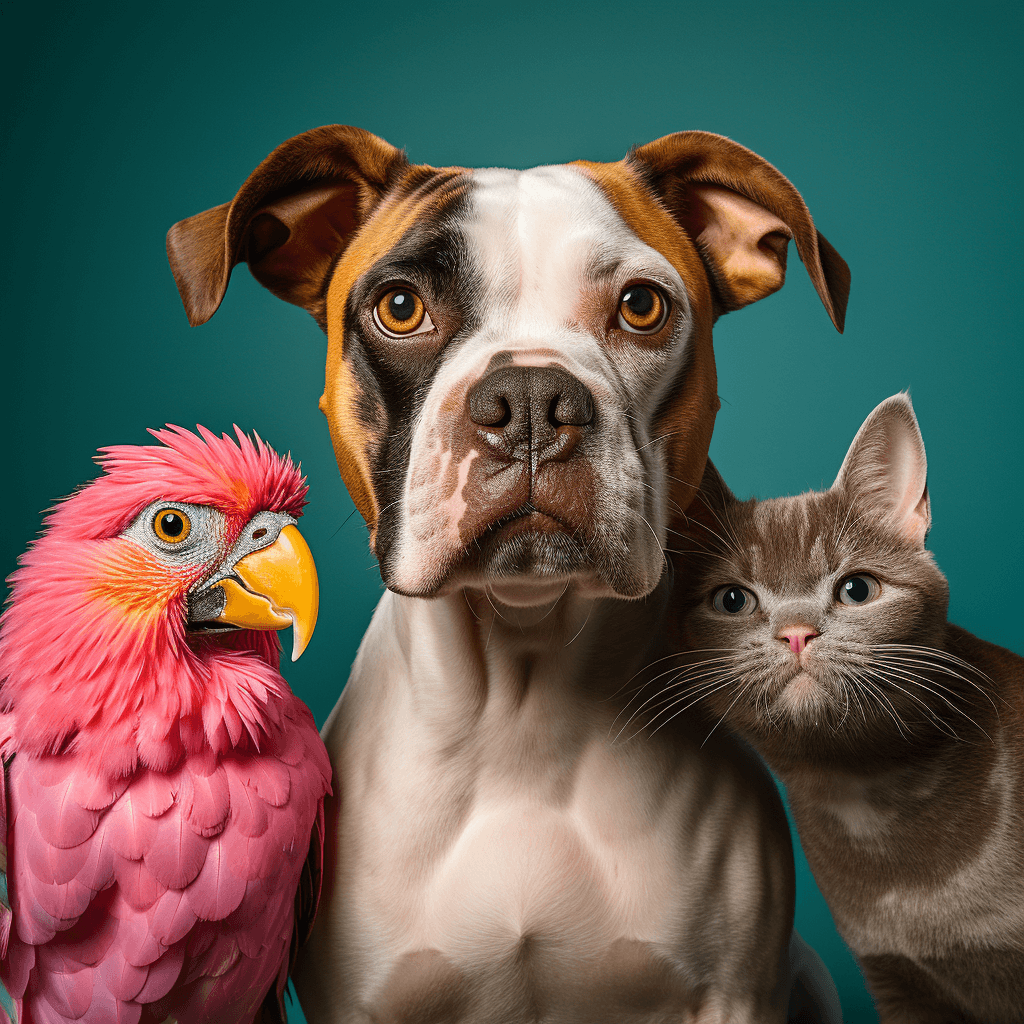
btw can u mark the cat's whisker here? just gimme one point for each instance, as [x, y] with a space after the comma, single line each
[683, 672]
[681, 688]
[854, 692]
[848, 525]
[934, 658]
[873, 688]
[667, 657]
[684, 677]
[729, 544]
[732, 542]
[712, 686]
[709, 683]
[927, 658]
[905, 675]
[886, 679]
[937, 657]
[938, 653]
[744, 686]
[903, 664]
[846, 711]
[729, 681]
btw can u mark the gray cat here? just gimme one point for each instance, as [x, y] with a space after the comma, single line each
[816, 629]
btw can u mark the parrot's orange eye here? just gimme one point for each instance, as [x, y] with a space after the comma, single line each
[642, 309]
[401, 311]
[171, 525]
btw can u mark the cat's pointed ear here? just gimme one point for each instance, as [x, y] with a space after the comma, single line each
[705, 513]
[714, 491]
[886, 466]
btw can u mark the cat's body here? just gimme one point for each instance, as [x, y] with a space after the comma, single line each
[817, 630]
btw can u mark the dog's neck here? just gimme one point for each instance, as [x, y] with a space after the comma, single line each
[467, 658]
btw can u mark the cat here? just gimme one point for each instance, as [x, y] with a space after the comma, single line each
[815, 627]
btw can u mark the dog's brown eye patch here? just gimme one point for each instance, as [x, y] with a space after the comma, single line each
[401, 311]
[642, 309]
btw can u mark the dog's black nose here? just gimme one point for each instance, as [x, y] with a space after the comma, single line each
[538, 410]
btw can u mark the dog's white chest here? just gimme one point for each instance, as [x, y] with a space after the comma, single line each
[520, 870]
[527, 910]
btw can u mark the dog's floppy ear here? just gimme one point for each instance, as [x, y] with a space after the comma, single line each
[741, 212]
[289, 220]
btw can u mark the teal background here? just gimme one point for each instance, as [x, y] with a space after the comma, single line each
[900, 126]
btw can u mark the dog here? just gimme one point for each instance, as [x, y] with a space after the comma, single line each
[521, 390]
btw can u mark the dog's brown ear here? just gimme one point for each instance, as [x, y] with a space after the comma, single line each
[289, 220]
[741, 212]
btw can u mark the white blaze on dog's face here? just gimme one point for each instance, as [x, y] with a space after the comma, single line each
[520, 381]
[519, 439]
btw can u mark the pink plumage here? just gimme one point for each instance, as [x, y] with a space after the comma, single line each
[164, 786]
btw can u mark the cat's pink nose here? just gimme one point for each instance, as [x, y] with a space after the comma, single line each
[797, 636]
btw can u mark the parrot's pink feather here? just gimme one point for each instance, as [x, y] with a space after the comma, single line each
[164, 786]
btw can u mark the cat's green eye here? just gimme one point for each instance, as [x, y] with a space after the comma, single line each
[733, 600]
[858, 589]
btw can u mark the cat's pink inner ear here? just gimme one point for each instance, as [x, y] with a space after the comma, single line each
[887, 467]
[919, 520]
[913, 513]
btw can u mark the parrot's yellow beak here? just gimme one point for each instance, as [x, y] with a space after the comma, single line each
[281, 589]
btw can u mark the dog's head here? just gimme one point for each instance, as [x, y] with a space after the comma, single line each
[520, 377]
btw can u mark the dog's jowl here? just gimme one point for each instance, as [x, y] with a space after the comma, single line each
[521, 391]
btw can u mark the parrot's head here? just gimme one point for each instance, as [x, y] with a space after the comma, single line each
[156, 584]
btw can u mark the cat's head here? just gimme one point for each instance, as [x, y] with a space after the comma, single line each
[813, 620]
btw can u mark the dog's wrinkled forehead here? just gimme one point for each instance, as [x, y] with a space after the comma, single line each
[540, 236]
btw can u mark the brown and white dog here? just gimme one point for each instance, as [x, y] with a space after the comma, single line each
[521, 391]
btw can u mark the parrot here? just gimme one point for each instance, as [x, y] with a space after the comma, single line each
[162, 811]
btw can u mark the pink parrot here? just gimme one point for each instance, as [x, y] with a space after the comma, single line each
[164, 787]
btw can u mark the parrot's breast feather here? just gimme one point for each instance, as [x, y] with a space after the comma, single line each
[174, 888]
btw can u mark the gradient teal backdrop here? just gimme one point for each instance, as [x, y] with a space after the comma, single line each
[900, 126]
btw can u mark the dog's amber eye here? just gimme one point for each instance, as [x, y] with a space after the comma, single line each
[171, 525]
[642, 309]
[401, 312]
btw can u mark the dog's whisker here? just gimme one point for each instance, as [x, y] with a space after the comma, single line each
[584, 626]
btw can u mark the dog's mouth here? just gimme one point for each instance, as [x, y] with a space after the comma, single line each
[526, 542]
[525, 519]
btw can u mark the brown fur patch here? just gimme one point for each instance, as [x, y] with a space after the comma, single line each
[689, 418]
[354, 443]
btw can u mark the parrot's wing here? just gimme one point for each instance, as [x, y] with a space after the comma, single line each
[307, 898]
[5, 903]
[7, 1010]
